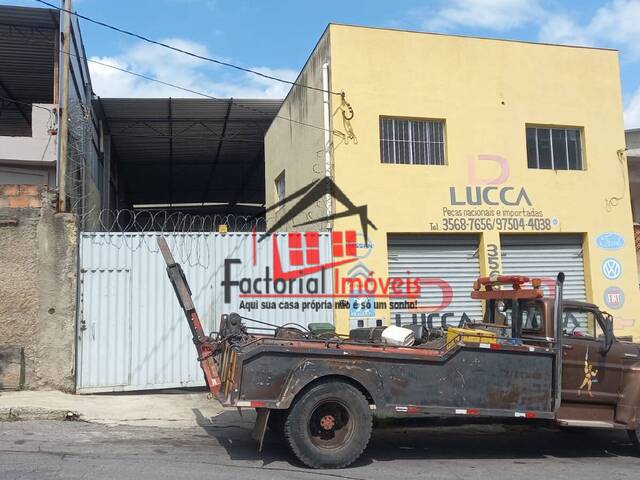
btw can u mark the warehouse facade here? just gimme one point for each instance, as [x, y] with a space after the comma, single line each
[132, 168]
[472, 156]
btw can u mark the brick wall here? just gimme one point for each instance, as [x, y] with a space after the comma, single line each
[20, 196]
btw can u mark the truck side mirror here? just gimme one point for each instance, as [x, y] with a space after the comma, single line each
[609, 337]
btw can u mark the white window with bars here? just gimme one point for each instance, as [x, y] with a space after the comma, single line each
[412, 142]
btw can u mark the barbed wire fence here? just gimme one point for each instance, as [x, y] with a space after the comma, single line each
[186, 233]
[189, 235]
[128, 221]
[78, 171]
[135, 228]
[139, 228]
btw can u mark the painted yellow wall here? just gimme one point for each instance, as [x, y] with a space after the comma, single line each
[486, 91]
[295, 141]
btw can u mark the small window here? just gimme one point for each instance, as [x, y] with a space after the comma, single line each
[579, 323]
[411, 142]
[554, 148]
[531, 312]
[280, 189]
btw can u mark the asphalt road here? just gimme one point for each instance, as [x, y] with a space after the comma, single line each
[75, 450]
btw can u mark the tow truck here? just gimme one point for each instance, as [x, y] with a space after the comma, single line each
[534, 356]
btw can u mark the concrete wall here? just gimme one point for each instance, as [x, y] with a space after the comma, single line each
[299, 149]
[41, 147]
[31, 160]
[38, 289]
[633, 141]
[11, 174]
[632, 138]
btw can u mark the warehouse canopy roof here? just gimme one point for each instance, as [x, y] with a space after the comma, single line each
[189, 151]
[27, 56]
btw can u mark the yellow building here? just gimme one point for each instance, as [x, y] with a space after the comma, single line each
[472, 156]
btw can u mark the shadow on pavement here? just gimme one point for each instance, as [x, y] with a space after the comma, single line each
[432, 439]
[233, 432]
[490, 442]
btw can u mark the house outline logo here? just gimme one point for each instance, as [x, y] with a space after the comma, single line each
[312, 193]
[344, 244]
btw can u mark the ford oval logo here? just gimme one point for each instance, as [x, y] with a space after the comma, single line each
[610, 241]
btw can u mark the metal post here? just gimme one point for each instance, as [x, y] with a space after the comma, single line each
[170, 186]
[56, 64]
[557, 310]
[63, 109]
[326, 105]
[516, 319]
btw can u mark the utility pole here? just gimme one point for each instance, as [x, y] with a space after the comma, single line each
[63, 111]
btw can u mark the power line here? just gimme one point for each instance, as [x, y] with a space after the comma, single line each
[190, 90]
[28, 104]
[172, 85]
[186, 52]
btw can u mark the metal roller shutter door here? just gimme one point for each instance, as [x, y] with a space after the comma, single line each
[452, 258]
[543, 256]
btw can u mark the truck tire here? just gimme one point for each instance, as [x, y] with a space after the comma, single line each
[634, 435]
[329, 426]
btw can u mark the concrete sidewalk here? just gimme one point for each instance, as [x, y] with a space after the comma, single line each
[175, 408]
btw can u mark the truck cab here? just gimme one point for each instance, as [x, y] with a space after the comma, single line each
[533, 356]
[600, 381]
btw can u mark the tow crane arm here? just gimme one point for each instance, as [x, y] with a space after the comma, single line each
[205, 347]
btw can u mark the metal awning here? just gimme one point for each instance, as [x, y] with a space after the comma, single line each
[28, 53]
[189, 151]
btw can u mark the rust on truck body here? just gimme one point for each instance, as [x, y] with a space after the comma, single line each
[613, 393]
[275, 371]
[429, 381]
[548, 358]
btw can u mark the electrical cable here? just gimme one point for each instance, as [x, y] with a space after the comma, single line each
[195, 92]
[186, 52]
[13, 100]
[51, 121]
[612, 202]
[190, 90]
[301, 327]
[178, 87]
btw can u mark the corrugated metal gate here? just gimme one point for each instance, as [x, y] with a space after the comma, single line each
[543, 256]
[132, 334]
[445, 262]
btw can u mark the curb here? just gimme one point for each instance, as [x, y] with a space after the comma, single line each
[14, 414]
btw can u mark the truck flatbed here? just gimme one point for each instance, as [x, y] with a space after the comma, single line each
[485, 379]
[550, 360]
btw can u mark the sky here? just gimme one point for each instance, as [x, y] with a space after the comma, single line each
[277, 36]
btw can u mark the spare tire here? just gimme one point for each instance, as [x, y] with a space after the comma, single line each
[329, 425]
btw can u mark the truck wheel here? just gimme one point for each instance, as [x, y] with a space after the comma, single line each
[329, 425]
[634, 435]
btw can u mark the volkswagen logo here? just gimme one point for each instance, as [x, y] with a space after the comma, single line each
[611, 268]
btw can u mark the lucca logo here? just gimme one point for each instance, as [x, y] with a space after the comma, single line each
[489, 191]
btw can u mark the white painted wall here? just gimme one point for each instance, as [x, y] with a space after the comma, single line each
[40, 148]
